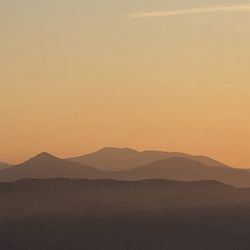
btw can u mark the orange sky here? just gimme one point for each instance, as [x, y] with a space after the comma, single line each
[78, 76]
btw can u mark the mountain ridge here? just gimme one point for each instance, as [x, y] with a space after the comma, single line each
[116, 159]
[177, 168]
[184, 169]
[45, 165]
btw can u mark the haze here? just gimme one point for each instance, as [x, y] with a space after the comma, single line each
[76, 76]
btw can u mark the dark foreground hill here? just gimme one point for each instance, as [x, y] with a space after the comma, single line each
[112, 215]
[34, 197]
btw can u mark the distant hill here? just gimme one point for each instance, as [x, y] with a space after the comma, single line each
[45, 165]
[184, 169]
[4, 166]
[115, 159]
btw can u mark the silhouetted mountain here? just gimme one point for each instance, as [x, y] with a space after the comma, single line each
[45, 165]
[65, 214]
[4, 166]
[183, 169]
[115, 159]
[29, 197]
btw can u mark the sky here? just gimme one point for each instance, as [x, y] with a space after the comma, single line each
[76, 76]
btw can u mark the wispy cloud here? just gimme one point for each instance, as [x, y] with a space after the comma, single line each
[213, 9]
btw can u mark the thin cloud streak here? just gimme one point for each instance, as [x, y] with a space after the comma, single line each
[214, 9]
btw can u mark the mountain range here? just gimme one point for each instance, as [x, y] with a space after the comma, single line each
[47, 166]
[184, 169]
[137, 165]
[115, 159]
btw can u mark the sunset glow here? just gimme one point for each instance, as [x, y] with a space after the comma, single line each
[76, 76]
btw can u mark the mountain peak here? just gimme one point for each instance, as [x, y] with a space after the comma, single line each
[112, 149]
[44, 156]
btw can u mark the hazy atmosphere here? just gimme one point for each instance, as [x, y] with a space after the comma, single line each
[76, 76]
[124, 125]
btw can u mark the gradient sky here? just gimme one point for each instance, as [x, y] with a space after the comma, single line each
[79, 75]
